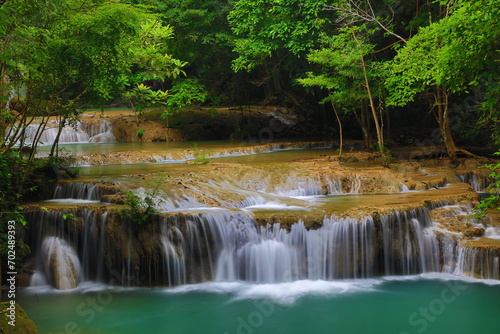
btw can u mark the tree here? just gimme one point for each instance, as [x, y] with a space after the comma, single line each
[273, 38]
[204, 40]
[87, 54]
[57, 56]
[183, 93]
[354, 11]
[347, 73]
[448, 57]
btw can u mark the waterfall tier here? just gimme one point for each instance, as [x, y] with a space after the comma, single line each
[479, 182]
[87, 131]
[228, 245]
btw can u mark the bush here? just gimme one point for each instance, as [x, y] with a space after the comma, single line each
[493, 201]
[141, 210]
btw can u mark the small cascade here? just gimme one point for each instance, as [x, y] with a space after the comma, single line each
[355, 184]
[60, 263]
[478, 182]
[404, 188]
[352, 184]
[478, 262]
[252, 201]
[301, 187]
[78, 190]
[406, 249]
[334, 186]
[89, 131]
[99, 131]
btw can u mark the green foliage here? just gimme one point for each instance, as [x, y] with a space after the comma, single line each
[202, 159]
[70, 216]
[184, 93]
[143, 97]
[200, 156]
[493, 200]
[87, 53]
[341, 72]
[202, 38]
[267, 27]
[13, 169]
[138, 210]
[452, 52]
[140, 133]
[141, 209]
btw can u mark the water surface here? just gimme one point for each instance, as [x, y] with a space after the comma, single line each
[430, 303]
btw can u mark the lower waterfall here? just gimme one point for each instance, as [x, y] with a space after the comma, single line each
[226, 245]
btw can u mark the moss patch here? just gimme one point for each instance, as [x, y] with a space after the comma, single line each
[14, 312]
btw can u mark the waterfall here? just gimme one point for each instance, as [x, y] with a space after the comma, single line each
[68, 249]
[78, 190]
[334, 186]
[477, 262]
[478, 182]
[404, 246]
[229, 245]
[353, 184]
[301, 187]
[60, 263]
[175, 259]
[89, 131]
[239, 249]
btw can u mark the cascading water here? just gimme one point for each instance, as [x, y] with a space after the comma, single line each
[91, 131]
[60, 264]
[78, 190]
[226, 246]
[352, 184]
[478, 182]
[477, 262]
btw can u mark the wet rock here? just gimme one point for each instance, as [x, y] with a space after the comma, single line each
[23, 324]
[474, 232]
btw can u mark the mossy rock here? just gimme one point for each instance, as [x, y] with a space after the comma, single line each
[23, 324]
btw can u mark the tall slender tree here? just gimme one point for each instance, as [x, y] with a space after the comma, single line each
[448, 57]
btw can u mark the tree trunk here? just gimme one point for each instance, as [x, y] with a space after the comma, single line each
[378, 127]
[444, 122]
[364, 123]
[55, 145]
[340, 130]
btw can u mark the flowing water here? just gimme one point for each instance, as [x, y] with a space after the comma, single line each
[218, 270]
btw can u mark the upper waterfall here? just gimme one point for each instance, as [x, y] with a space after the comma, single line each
[86, 131]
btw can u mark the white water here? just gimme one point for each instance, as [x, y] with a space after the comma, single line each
[60, 264]
[77, 190]
[95, 131]
[478, 182]
[203, 243]
[223, 245]
[287, 293]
